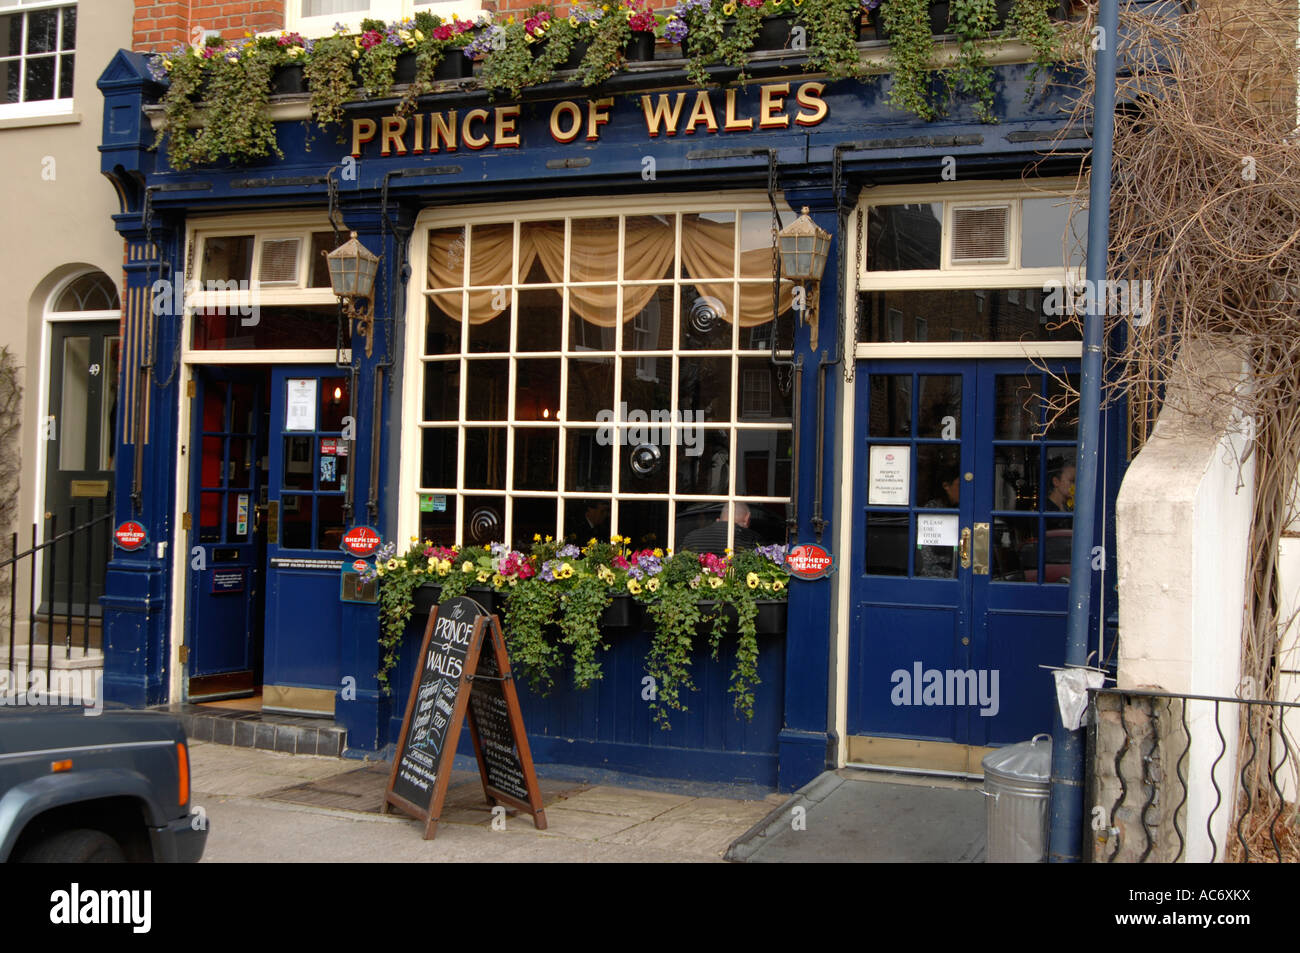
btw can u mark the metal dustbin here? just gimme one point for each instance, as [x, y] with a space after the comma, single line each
[1018, 789]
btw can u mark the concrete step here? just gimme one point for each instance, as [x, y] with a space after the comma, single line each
[76, 660]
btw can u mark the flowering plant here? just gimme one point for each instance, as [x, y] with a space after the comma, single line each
[640, 18]
[434, 39]
[556, 593]
[235, 79]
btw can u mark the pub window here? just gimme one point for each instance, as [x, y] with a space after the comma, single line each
[38, 45]
[590, 375]
[262, 289]
[973, 267]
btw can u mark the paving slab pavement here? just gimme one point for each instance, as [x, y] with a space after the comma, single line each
[265, 806]
[865, 816]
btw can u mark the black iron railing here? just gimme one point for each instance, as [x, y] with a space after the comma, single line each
[70, 562]
[1140, 751]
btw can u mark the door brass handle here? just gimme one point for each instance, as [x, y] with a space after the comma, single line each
[981, 549]
[965, 547]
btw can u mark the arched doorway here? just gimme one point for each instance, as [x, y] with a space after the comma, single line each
[79, 428]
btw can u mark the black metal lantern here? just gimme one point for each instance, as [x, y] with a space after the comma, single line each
[352, 269]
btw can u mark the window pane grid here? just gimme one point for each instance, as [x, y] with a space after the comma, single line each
[636, 380]
[39, 66]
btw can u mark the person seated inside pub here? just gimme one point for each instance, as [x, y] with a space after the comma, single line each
[712, 538]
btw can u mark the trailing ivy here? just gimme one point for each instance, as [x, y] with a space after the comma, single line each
[328, 71]
[972, 23]
[833, 40]
[580, 626]
[911, 51]
[185, 74]
[530, 611]
[237, 122]
[1031, 22]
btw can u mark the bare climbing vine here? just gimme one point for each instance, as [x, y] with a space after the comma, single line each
[1205, 207]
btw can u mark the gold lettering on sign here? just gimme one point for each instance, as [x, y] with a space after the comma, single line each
[598, 115]
[506, 135]
[471, 140]
[394, 129]
[772, 100]
[419, 134]
[702, 112]
[661, 114]
[574, 113]
[363, 130]
[809, 96]
[442, 127]
[731, 123]
[499, 127]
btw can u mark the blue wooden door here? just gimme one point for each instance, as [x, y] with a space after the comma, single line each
[309, 473]
[962, 516]
[226, 552]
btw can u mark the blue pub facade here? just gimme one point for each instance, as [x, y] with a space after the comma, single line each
[542, 261]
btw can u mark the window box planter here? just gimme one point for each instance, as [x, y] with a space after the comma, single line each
[938, 20]
[454, 65]
[576, 52]
[404, 72]
[288, 80]
[941, 10]
[774, 33]
[771, 618]
[641, 47]
[623, 612]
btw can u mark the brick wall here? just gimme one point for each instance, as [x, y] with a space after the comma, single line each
[164, 25]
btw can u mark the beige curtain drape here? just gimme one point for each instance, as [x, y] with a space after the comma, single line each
[707, 249]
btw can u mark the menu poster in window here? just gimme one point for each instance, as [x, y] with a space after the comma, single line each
[889, 476]
[300, 408]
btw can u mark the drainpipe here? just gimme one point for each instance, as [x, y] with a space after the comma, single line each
[1068, 746]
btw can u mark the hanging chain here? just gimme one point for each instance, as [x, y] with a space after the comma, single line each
[851, 346]
[784, 370]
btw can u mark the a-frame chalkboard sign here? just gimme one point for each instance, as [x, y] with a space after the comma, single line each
[463, 668]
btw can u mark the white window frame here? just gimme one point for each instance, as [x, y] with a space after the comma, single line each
[979, 276]
[270, 295]
[412, 422]
[31, 109]
[386, 10]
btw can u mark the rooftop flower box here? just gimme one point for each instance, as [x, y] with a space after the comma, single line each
[216, 106]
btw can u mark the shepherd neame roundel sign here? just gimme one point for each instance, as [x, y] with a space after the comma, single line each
[130, 536]
[360, 541]
[809, 562]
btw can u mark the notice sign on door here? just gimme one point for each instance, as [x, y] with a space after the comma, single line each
[300, 408]
[241, 515]
[889, 476]
[936, 529]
